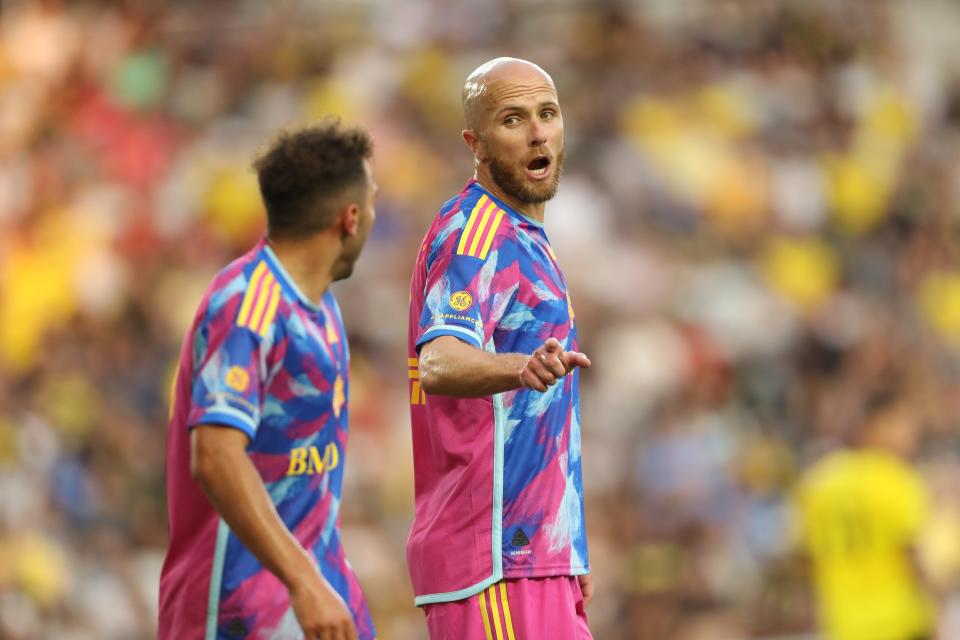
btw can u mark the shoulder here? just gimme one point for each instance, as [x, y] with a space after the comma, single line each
[826, 472]
[452, 217]
[473, 228]
[486, 226]
[245, 294]
[901, 476]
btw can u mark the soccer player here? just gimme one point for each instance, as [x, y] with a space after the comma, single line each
[498, 548]
[255, 447]
[861, 511]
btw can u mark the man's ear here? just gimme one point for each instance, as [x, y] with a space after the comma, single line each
[350, 219]
[472, 140]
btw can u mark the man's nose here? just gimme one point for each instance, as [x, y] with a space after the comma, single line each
[538, 134]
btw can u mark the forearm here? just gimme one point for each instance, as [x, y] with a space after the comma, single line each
[450, 367]
[235, 489]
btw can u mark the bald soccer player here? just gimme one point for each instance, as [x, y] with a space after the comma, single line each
[498, 548]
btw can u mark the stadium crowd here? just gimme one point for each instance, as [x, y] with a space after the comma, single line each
[758, 221]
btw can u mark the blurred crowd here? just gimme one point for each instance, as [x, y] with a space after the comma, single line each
[758, 219]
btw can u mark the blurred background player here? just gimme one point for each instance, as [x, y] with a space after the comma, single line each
[862, 512]
[255, 453]
[498, 547]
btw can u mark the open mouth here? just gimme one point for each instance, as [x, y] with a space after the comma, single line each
[539, 166]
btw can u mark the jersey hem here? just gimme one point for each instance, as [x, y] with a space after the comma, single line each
[453, 596]
[472, 590]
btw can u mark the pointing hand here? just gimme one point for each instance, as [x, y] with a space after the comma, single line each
[548, 364]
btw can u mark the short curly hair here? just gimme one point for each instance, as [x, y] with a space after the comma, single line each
[305, 172]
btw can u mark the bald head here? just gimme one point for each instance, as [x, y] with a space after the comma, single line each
[496, 77]
[515, 132]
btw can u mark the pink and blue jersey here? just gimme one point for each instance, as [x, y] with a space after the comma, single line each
[498, 480]
[262, 358]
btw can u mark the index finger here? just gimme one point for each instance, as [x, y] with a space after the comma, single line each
[576, 359]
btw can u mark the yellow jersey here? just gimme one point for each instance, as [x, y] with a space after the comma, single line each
[860, 511]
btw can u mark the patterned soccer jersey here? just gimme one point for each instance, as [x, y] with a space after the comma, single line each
[261, 358]
[498, 478]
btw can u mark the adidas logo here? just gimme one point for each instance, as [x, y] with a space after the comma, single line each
[520, 539]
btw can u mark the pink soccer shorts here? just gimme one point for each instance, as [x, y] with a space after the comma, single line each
[524, 609]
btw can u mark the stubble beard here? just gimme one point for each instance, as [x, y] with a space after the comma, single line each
[513, 182]
[344, 264]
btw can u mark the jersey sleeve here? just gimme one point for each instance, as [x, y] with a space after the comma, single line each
[227, 385]
[465, 295]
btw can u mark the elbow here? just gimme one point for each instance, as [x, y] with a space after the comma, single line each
[430, 380]
[431, 373]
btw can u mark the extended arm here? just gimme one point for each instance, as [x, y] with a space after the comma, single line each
[220, 464]
[453, 368]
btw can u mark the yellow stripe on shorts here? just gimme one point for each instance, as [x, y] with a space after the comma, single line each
[496, 612]
[506, 611]
[483, 614]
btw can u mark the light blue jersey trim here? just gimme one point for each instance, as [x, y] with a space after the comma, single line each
[216, 580]
[450, 330]
[453, 596]
[230, 417]
[499, 422]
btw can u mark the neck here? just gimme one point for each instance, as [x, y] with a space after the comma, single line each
[530, 209]
[309, 263]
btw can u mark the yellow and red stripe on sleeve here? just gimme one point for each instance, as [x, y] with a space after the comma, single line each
[481, 229]
[417, 395]
[259, 306]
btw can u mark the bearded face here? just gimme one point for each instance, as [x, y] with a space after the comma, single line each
[512, 176]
